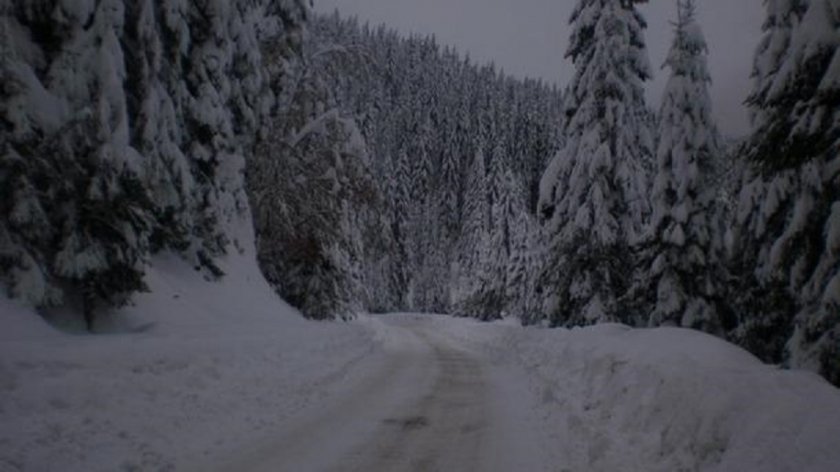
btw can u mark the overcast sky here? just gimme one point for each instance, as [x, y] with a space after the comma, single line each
[529, 38]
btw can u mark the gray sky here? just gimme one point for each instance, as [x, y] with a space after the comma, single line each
[529, 38]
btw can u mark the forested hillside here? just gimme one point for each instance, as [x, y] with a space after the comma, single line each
[411, 182]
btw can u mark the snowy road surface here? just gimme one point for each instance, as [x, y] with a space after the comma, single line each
[265, 390]
[425, 403]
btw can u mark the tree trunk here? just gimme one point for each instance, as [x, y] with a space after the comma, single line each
[88, 306]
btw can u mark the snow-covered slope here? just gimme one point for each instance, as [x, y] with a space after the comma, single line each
[217, 368]
[201, 366]
[614, 398]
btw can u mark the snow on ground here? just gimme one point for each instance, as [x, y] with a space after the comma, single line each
[194, 367]
[224, 366]
[614, 398]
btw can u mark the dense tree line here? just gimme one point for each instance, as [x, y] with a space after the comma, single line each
[125, 130]
[433, 166]
[461, 148]
[760, 269]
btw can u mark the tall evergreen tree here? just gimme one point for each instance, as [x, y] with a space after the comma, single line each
[488, 299]
[685, 260]
[524, 267]
[473, 242]
[400, 224]
[315, 203]
[593, 193]
[77, 211]
[793, 85]
[787, 259]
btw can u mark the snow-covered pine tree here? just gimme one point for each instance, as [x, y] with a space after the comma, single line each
[788, 208]
[488, 299]
[315, 203]
[593, 194]
[157, 132]
[764, 303]
[525, 265]
[77, 212]
[448, 203]
[791, 90]
[32, 116]
[683, 276]
[473, 238]
[214, 157]
[125, 136]
[511, 264]
[420, 210]
[403, 271]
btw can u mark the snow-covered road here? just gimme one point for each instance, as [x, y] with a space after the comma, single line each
[446, 394]
[424, 403]
[212, 387]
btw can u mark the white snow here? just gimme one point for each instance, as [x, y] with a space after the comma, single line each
[614, 398]
[203, 369]
[197, 366]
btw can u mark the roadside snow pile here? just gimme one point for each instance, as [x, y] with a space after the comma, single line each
[199, 367]
[614, 398]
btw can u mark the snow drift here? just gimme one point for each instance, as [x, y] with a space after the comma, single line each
[666, 399]
[199, 366]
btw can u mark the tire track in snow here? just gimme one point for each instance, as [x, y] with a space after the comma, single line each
[423, 403]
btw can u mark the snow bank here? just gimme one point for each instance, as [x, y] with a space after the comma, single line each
[21, 324]
[672, 399]
[199, 367]
[614, 398]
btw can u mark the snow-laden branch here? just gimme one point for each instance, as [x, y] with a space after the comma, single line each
[316, 125]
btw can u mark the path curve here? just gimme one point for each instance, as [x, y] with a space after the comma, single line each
[423, 403]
